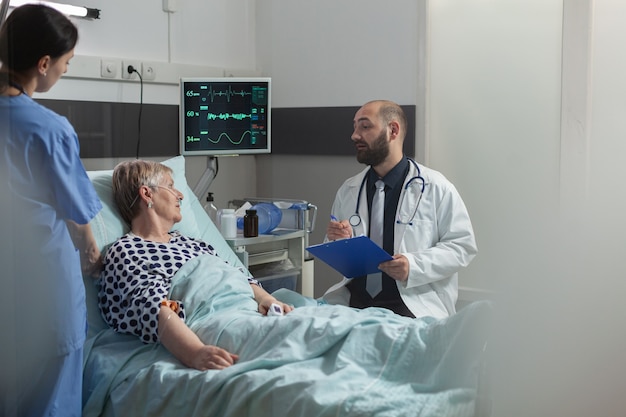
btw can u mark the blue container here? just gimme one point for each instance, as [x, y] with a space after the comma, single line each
[272, 284]
[269, 217]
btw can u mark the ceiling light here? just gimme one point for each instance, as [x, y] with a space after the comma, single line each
[68, 9]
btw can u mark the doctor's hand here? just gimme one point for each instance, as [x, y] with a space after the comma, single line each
[338, 230]
[397, 268]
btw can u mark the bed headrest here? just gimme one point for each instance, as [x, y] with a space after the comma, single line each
[108, 226]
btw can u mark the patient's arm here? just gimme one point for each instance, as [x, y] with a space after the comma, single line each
[84, 241]
[187, 347]
[265, 300]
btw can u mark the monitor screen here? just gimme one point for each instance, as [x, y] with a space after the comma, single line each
[225, 116]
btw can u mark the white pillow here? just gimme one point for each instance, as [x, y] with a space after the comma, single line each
[108, 226]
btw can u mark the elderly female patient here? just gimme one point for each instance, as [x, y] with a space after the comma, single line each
[162, 286]
[140, 265]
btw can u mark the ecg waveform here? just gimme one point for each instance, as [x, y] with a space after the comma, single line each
[228, 93]
[226, 116]
[222, 135]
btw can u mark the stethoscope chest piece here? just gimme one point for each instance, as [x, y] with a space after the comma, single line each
[355, 219]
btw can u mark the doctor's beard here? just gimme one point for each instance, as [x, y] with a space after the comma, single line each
[376, 153]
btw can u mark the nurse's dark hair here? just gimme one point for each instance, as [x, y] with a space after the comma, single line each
[128, 177]
[29, 33]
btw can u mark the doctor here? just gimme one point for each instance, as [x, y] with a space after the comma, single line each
[425, 224]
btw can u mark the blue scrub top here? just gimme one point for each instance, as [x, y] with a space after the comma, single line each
[44, 183]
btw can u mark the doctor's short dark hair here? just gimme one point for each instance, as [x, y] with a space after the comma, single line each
[391, 111]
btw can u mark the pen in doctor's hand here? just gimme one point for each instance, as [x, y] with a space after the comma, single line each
[338, 229]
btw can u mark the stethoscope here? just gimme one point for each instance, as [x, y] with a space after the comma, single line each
[18, 86]
[355, 219]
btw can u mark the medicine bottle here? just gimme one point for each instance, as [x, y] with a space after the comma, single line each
[210, 208]
[250, 224]
[228, 224]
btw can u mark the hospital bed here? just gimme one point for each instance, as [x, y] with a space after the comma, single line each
[404, 368]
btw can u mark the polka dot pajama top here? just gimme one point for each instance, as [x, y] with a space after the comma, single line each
[137, 277]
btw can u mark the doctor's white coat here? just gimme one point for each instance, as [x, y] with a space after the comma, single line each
[438, 241]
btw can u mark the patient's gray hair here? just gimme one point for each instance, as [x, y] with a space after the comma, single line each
[128, 177]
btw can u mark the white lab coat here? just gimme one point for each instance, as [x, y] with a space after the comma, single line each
[439, 242]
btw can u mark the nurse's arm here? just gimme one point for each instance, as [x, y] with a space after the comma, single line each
[84, 241]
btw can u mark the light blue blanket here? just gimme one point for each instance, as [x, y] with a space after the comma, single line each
[315, 361]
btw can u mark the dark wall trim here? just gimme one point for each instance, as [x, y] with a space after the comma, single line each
[323, 130]
[110, 130]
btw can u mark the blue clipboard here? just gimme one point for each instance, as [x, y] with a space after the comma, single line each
[352, 257]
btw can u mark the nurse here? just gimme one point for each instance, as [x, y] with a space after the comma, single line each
[47, 203]
[423, 223]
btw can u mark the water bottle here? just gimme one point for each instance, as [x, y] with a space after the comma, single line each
[210, 208]
[250, 224]
[269, 217]
[228, 224]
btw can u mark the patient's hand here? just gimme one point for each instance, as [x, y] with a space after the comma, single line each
[265, 300]
[212, 357]
[187, 347]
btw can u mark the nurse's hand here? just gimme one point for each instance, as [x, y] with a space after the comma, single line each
[91, 262]
[397, 268]
[338, 230]
[84, 241]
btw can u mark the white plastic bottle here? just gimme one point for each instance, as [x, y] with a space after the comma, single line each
[210, 208]
[228, 224]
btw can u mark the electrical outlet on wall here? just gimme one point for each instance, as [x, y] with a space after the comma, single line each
[148, 71]
[130, 76]
[109, 68]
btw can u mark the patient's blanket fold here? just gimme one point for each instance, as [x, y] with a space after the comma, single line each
[315, 361]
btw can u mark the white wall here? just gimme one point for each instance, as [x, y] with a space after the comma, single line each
[329, 53]
[494, 121]
[558, 342]
[217, 34]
